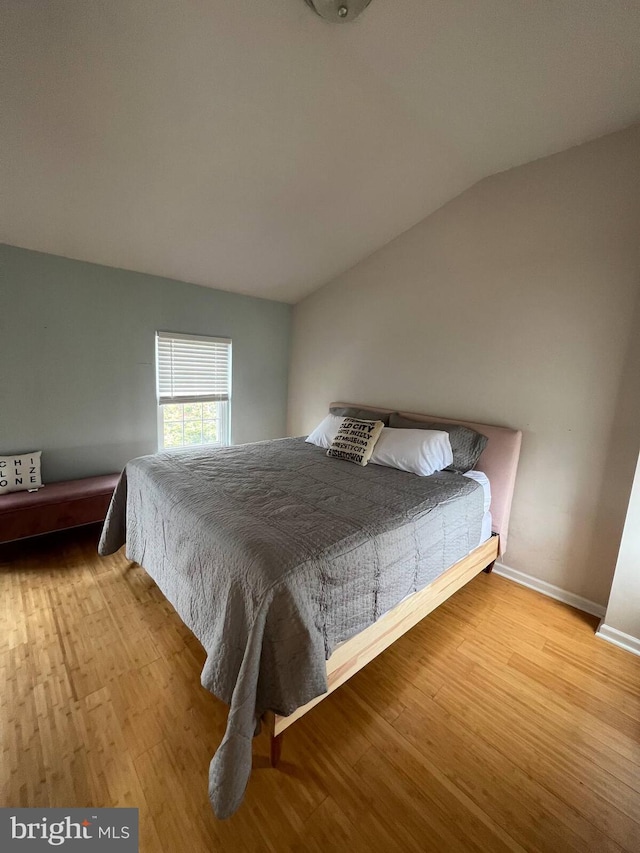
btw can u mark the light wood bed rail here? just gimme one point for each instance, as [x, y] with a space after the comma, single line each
[355, 653]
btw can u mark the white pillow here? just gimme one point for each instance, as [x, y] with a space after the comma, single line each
[20, 472]
[325, 432]
[419, 451]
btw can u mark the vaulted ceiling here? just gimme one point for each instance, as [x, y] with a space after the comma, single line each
[251, 146]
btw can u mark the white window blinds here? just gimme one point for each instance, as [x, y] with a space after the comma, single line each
[193, 369]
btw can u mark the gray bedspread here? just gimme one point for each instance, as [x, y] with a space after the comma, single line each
[272, 553]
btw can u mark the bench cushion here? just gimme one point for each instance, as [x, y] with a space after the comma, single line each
[55, 507]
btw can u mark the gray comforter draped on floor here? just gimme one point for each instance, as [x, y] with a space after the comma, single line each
[272, 554]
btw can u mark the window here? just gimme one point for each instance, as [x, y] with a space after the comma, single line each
[194, 390]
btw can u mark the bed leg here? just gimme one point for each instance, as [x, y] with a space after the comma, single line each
[276, 749]
[489, 568]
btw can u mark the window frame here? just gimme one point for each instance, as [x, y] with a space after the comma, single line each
[224, 416]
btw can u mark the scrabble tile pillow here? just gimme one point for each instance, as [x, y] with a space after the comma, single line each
[19, 472]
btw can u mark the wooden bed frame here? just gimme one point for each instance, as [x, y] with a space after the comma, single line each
[499, 461]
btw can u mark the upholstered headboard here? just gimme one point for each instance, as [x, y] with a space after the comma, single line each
[499, 461]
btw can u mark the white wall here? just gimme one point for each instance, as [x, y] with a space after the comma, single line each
[512, 305]
[623, 610]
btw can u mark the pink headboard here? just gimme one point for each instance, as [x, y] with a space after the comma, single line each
[499, 461]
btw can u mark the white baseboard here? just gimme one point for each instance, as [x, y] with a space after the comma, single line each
[549, 589]
[618, 638]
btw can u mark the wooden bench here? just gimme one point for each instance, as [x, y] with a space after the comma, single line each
[57, 506]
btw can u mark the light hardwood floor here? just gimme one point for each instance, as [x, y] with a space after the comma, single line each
[498, 723]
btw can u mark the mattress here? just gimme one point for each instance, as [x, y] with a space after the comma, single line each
[272, 554]
[487, 521]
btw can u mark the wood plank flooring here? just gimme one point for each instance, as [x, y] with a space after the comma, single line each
[499, 723]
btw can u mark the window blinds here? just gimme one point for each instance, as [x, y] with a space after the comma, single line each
[192, 369]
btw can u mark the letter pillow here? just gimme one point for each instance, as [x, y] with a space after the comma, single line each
[355, 440]
[19, 472]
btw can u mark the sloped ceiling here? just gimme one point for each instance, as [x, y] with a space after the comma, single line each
[250, 145]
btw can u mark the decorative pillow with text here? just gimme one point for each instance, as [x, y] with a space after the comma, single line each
[20, 472]
[355, 440]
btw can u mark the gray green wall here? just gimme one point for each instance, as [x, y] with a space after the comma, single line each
[77, 374]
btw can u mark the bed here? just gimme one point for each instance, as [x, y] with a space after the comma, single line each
[294, 570]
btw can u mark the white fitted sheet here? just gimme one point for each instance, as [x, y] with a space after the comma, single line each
[487, 521]
[482, 478]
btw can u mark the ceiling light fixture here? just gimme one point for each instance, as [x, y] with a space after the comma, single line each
[338, 11]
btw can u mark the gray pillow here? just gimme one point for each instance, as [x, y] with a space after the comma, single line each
[467, 444]
[361, 414]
